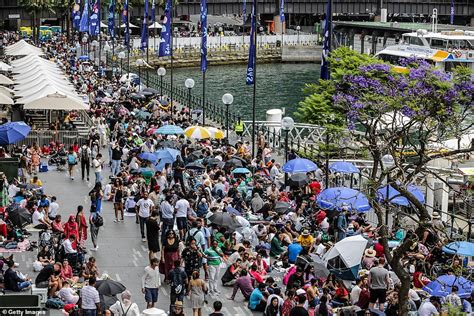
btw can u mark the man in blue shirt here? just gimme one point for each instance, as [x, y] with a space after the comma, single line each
[257, 301]
[294, 250]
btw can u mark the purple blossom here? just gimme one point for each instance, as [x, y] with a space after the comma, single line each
[407, 111]
[417, 73]
[375, 67]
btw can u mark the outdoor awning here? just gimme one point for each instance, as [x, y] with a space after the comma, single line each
[130, 25]
[155, 25]
[4, 80]
[5, 99]
[4, 66]
[56, 101]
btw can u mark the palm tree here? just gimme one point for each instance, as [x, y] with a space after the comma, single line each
[34, 9]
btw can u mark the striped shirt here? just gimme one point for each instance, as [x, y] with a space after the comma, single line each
[90, 297]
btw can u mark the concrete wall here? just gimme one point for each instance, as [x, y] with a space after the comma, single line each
[301, 54]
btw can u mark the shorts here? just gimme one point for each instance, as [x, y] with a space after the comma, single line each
[42, 285]
[151, 295]
[378, 294]
[182, 222]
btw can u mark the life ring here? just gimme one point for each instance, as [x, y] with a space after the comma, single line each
[457, 53]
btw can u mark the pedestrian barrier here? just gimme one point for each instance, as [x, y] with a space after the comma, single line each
[40, 138]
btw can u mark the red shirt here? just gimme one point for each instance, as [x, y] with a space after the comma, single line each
[320, 216]
[379, 250]
[315, 187]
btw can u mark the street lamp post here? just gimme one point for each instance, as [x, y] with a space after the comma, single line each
[189, 83]
[121, 56]
[95, 44]
[161, 72]
[287, 124]
[387, 163]
[107, 49]
[298, 28]
[220, 36]
[139, 63]
[261, 37]
[227, 99]
[84, 43]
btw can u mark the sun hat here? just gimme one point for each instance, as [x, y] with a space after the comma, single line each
[436, 215]
[305, 232]
[370, 252]
[300, 291]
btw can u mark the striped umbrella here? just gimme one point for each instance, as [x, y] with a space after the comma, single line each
[197, 132]
[215, 132]
[169, 130]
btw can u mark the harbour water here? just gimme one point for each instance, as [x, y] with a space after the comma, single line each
[278, 85]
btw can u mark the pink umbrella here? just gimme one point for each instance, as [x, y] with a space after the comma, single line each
[106, 100]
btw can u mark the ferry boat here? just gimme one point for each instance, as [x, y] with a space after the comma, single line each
[446, 49]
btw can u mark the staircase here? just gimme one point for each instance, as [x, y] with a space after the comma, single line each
[39, 118]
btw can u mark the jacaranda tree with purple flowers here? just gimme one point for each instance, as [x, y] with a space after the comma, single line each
[405, 114]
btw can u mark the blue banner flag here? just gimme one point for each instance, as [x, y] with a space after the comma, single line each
[76, 14]
[451, 18]
[326, 44]
[282, 12]
[144, 42]
[84, 23]
[204, 35]
[111, 18]
[251, 63]
[126, 37]
[244, 10]
[165, 41]
[95, 19]
[153, 13]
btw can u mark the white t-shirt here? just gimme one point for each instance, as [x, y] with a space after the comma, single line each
[144, 207]
[413, 295]
[182, 208]
[427, 309]
[67, 295]
[355, 293]
[37, 216]
[97, 164]
[53, 209]
[13, 190]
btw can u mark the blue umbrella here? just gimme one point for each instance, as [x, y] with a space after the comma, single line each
[13, 132]
[343, 167]
[395, 197]
[169, 130]
[441, 287]
[232, 211]
[84, 57]
[241, 171]
[167, 154]
[148, 156]
[336, 198]
[463, 248]
[299, 165]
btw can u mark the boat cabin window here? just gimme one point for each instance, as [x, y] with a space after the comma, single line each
[413, 40]
[439, 43]
[459, 44]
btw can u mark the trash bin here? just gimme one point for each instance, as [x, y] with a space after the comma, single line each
[278, 43]
[9, 166]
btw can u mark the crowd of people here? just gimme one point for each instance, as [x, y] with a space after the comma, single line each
[204, 225]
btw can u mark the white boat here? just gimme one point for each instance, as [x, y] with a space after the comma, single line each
[445, 49]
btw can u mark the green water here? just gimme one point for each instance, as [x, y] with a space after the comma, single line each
[278, 85]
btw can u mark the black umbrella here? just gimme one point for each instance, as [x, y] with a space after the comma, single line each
[137, 96]
[169, 144]
[320, 270]
[109, 287]
[195, 155]
[282, 207]
[108, 300]
[233, 163]
[195, 166]
[146, 93]
[224, 219]
[211, 162]
[150, 90]
[244, 162]
[299, 179]
[19, 217]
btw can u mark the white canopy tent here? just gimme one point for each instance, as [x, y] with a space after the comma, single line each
[155, 25]
[38, 90]
[4, 80]
[4, 66]
[24, 52]
[4, 99]
[30, 84]
[56, 101]
[130, 25]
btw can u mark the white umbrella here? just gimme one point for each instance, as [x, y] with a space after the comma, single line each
[4, 80]
[130, 25]
[4, 66]
[5, 99]
[103, 25]
[56, 101]
[155, 25]
[344, 258]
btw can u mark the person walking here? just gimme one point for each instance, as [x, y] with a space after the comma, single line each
[117, 153]
[90, 301]
[239, 127]
[119, 195]
[181, 213]
[97, 164]
[152, 235]
[151, 283]
[94, 225]
[342, 224]
[81, 225]
[126, 306]
[143, 209]
[197, 290]
[85, 154]
[170, 251]
[167, 216]
[379, 281]
[71, 162]
[213, 256]
[178, 282]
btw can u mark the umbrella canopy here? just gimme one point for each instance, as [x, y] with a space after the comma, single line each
[55, 101]
[282, 207]
[4, 66]
[463, 248]
[241, 171]
[167, 154]
[108, 300]
[320, 270]
[394, 196]
[336, 198]
[130, 25]
[441, 287]
[168, 144]
[224, 219]
[4, 99]
[148, 156]
[299, 165]
[143, 115]
[195, 166]
[155, 25]
[232, 211]
[343, 167]
[137, 96]
[4, 80]
[215, 132]
[109, 287]
[344, 258]
[106, 100]
[151, 90]
[19, 217]
[13, 132]
[197, 132]
[169, 130]
[233, 163]
[299, 179]
[212, 162]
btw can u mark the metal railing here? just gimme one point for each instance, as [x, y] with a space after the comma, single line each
[40, 137]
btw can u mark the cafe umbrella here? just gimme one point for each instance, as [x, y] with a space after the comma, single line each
[13, 132]
[109, 287]
[19, 217]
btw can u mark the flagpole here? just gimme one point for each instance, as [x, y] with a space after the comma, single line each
[254, 98]
[203, 56]
[171, 55]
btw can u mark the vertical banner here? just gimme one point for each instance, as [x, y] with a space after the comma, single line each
[76, 14]
[451, 18]
[244, 11]
[251, 63]
[326, 43]
[165, 41]
[204, 35]
[95, 19]
[84, 23]
[111, 18]
[126, 38]
[282, 12]
[153, 13]
[144, 41]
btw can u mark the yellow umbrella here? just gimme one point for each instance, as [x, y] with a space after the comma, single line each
[197, 132]
[215, 132]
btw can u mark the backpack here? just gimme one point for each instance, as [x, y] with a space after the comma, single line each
[54, 303]
[177, 281]
[84, 154]
[188, 240]
[71, 159]
[98, 221]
